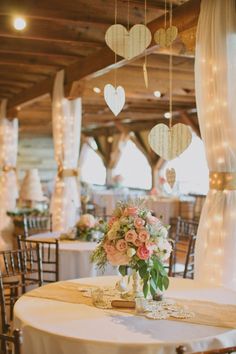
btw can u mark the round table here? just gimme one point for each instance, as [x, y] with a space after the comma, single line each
[56, 327]
[74, 257]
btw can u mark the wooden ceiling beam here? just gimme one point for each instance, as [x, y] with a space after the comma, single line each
[96, 64]
[38, 29]
[39, 47]
[98, 13]
[32, 59]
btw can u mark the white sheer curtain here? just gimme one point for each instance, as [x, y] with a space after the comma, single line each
[67, 116]
[215, 76]
[8, 178]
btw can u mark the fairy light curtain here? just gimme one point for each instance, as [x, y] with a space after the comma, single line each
[215, 76]
[8, 178]
[66, 117]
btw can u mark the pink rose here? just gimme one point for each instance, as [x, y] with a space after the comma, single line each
[138, 223]
[118, 258]
[87, 220]
[109, 249]
[137, 242]
[143, 252]
[130, 211]
[131, 236]
[111, 221]
[152, 220]
[121, 245]
[143, 236]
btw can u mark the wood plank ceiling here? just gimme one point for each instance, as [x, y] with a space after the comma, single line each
[70, 35]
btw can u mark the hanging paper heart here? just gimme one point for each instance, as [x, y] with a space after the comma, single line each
[165, 37]
[169, 142]
[115, 98]
[145, 75]
[170, 176]
[128, 44]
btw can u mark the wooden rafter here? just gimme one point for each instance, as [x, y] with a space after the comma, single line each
[96, 64]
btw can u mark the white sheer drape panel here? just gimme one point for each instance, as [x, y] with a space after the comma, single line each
[67, 116]
[215, 77]
[8, 178]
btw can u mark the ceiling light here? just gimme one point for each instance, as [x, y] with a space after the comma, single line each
[96, 90]
[157, 94]
[167, 115]
[19, 23]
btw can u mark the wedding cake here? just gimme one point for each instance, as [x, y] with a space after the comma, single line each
[31, 189]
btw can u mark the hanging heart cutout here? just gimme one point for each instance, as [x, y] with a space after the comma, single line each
[165, 37]
[128, 44]
[169, 143]
[170, 176]
[115, 98]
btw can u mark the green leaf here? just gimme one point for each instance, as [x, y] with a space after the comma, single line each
[165, 282]
[160, 283]
[143, 271]
[153, 284]
[145, 289]
[152, 290]
[123, 270]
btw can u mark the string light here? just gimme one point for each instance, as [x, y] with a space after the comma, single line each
[19, 23]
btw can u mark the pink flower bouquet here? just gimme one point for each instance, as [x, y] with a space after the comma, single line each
[135, 239]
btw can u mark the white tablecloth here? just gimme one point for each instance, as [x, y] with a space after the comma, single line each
[74, 258]
[165, 207]
[54, 327]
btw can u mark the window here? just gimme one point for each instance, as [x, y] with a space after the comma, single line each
[133, 166]
[92, 168]
[191, 169]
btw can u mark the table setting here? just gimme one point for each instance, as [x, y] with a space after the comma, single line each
[142, 310]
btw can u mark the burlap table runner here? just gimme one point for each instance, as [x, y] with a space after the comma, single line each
[206, 313]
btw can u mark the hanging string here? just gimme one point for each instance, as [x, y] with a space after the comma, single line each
[128, 17]
[165, 14]
[115, 71]
[145, 56]
[170, 72]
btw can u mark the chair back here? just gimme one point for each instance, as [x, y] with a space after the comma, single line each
[36, 224]
[49, 256]
[185, 228]
[8, 340]
[227, 350]
[17, 272]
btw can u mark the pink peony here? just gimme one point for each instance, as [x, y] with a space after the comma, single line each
[109, 249]
[131, 236]
[143, 236]
[121, 245]
[143, 252]
[118, 258]
[130, 211]
[111, 221]
[138, 223]
[87, 220]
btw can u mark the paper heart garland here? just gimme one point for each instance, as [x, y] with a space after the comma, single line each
[165, 37]
[115, 98]
[128, 44]
[170, 176]
[169, 142]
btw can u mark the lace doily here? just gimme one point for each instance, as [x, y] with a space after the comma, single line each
[155, 310]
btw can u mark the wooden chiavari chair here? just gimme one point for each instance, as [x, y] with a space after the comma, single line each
[182, 350]
[7, 341]
[184, 240]
[37, 224]
[16, 274]
[49, 256]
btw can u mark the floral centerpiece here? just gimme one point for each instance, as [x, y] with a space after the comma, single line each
[135, 239]
[88, 228]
